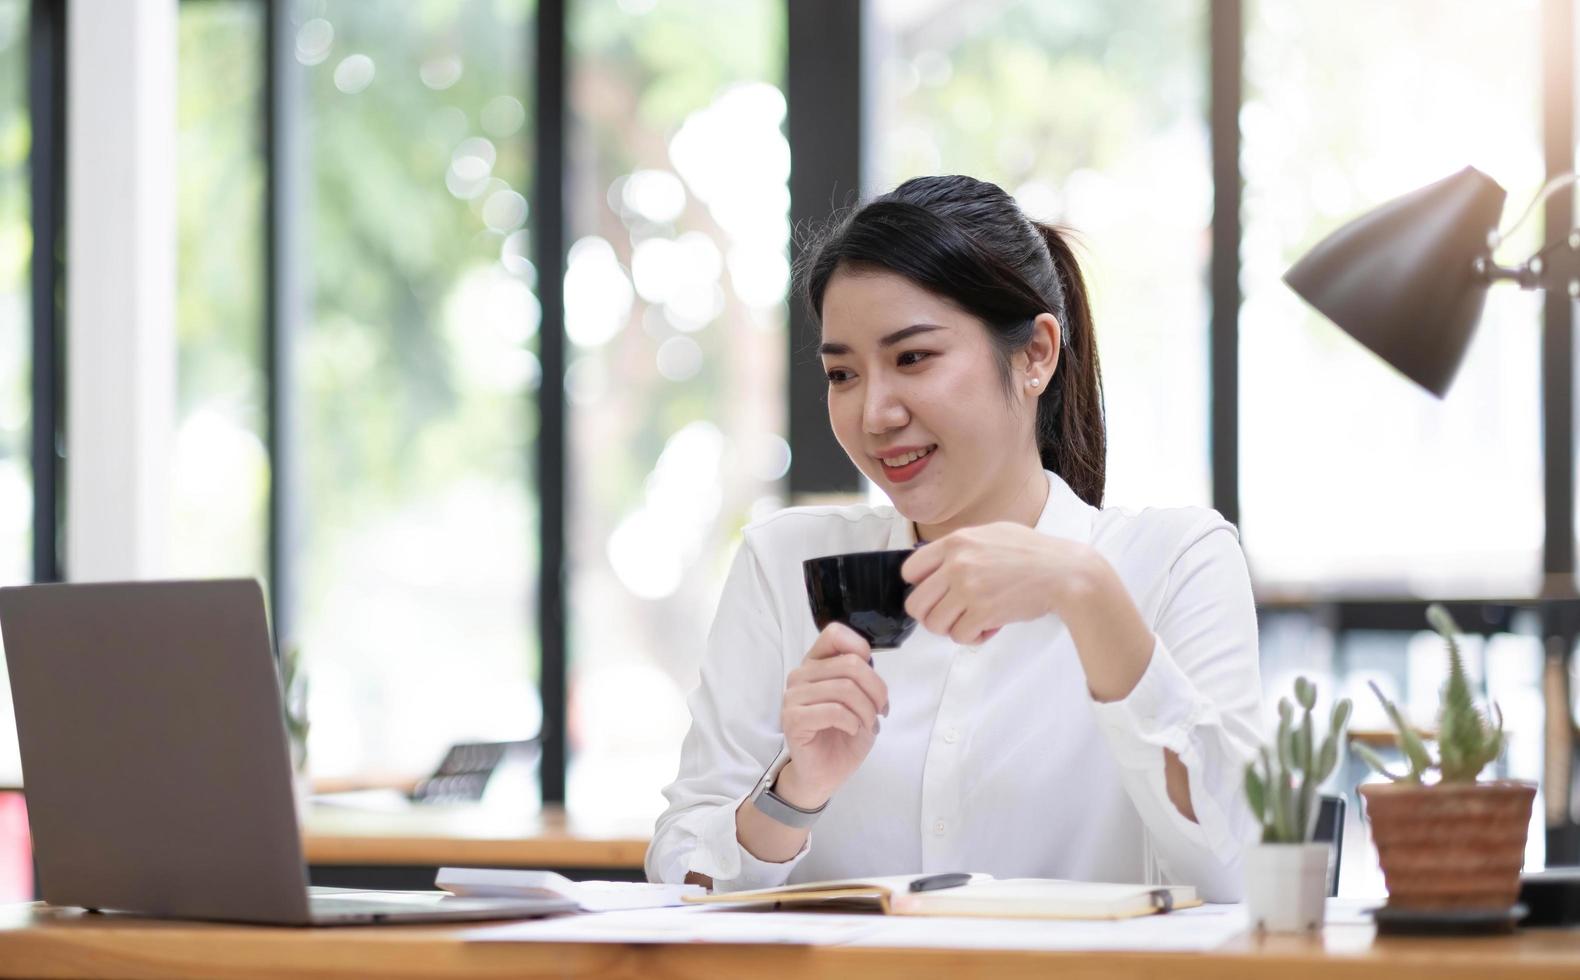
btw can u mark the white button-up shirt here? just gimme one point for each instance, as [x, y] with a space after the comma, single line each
[995, 757]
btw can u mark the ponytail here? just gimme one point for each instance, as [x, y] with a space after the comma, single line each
[1071, 434]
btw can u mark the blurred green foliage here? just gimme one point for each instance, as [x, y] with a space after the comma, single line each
[16, 248]
[636, 80]
[219, 284]
[1028, 89]
[388, 414]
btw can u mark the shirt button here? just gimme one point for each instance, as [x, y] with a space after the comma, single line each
[952, 736]
[939, 827]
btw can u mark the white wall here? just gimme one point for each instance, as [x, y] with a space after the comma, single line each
[120, 289]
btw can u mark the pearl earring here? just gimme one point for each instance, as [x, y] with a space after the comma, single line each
[1034, 382]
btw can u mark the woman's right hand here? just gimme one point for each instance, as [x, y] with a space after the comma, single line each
[832, 704]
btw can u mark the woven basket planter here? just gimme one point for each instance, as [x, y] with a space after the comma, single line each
[1450, 847]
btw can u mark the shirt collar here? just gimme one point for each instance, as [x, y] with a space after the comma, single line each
[1063, 516]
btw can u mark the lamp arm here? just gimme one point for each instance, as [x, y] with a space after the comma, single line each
[1491, 272]
[1550, 188]
[1556, 266]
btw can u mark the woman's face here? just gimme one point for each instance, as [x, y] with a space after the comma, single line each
[910, 372]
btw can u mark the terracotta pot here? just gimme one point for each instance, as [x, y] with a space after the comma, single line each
[1450, 847]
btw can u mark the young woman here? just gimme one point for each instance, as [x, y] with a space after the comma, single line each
[1083, 693]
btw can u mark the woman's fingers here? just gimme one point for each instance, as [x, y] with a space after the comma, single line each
[923, 562]
[837, 638]
[838, 690]
[972, 624]
[943, 616]
[966, 630]
[849, 666]
[925, 596]
[802, 722]
[974, 629]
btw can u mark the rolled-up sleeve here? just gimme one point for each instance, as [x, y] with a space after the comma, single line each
[733, 741]
[1200, 697]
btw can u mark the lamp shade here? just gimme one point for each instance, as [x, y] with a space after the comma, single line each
[1401, 278]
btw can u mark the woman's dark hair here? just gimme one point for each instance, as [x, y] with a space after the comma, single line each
[968, 241]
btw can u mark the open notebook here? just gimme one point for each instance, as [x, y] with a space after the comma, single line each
[984, 895]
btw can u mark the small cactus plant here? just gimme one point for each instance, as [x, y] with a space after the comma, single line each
[1466, 740]
[1286, 807]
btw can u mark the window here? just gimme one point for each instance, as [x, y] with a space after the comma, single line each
[16, 324]
[416, 371]
[678, 216]
[1093, 116]
[1352, 477]
[220, 485]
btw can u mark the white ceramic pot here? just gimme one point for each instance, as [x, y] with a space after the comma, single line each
[1286, 886]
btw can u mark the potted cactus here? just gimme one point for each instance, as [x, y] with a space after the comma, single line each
[1286, 875]
[1451, 848]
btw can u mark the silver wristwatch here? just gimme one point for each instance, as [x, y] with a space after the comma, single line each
[776, 807]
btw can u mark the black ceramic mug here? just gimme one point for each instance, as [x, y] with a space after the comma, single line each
[864, 591]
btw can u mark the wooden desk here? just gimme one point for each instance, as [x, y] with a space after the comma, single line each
[371, 849]
[36, 941]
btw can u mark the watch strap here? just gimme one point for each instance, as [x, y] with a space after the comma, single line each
[776, 807]
[780, 810]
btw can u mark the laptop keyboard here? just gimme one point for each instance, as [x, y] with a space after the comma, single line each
[341, 905]
[384, 899]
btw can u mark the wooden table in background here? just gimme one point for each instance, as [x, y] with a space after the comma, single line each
[372, 849]
[37, 941]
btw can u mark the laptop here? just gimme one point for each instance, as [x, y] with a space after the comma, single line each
[156, 767]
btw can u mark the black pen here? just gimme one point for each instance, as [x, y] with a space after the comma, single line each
[932, 883]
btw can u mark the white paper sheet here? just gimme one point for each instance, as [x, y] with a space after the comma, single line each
[1191, 930]
[592, 896]
[682, 925]
[1198, 929]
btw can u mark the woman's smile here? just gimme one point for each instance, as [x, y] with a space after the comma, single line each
[904, 466]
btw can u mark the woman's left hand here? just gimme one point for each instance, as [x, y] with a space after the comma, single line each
[974, 581]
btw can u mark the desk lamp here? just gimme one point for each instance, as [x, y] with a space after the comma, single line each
[1409, 279]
